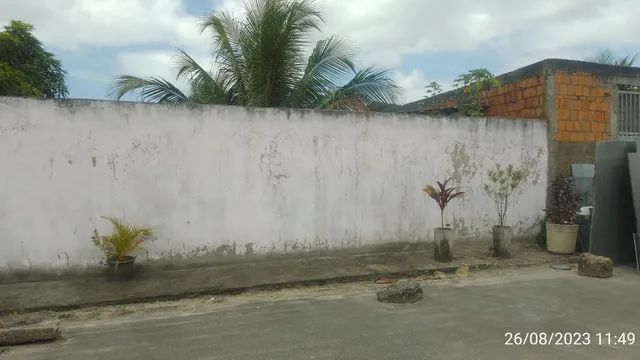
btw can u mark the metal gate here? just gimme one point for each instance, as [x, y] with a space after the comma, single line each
[629, 114]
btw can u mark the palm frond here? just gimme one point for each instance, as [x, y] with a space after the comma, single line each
[228, 34]
[605, 56]
[123, 240]
[628, 60]
[273, 44]
[259, 62]
[330, 63]
[608, 57]
[205, 89]
[371, 85]
[151, 89]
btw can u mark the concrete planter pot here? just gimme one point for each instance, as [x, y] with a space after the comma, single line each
[125, 263]
[444, 239]
[561, 238]
[502, 241]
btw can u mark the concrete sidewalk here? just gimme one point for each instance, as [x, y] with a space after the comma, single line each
[146, 285]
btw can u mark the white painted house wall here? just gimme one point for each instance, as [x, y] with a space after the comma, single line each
[280, 180]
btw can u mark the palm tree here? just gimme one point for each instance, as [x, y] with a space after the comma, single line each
[259, 60]
[607, 57]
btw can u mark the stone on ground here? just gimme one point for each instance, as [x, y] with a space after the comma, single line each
[402, 292]
[595, 266]
[45, 331]
[462, 271]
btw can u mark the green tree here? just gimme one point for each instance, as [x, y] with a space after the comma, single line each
[467, 93]
[469, 87]
[433, 89]
[260, 62]
[26, 68]
[607, 57]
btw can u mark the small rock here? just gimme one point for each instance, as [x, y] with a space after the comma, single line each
[439, 275]
[595, 266]
[402, 292]
[462, 271]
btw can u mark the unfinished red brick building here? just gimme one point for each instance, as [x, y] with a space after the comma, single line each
[583, 103]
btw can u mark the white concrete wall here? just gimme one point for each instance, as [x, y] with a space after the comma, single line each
[280, 180]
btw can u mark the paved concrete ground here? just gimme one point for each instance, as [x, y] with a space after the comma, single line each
[208, 278]
[458, 319]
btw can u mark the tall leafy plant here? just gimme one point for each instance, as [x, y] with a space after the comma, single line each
[467, 94]
[442, 195]
[470, 86]
[564, 202]
[503, 182]
[260, 61]
[124, 239]
[26, 67]
[433, 89]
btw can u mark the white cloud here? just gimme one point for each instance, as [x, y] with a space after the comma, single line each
[147, 63]
[386, 32]
[413, 84]
[156, 63]
[150, 63]
[68, 24]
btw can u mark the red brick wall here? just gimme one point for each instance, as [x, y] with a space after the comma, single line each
[521, 99]
[582, 108]
[581, 118]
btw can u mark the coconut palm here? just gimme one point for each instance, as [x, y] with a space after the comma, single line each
[259, 61]
[607, 57]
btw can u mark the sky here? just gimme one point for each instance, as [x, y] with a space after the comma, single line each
[418, 40]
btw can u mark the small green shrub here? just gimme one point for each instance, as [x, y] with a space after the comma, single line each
[503, 182]
[123, 240]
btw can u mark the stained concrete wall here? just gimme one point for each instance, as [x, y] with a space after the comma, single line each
[234, 179]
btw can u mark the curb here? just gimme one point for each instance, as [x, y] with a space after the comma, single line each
[284, 285]
[45, 331]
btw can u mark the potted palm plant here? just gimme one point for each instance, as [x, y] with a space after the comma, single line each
[503, 182]
[121, 242]
[562, 230]
[443, 236]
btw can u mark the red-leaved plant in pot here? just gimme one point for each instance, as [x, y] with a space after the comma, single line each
[443, 236]
[562, 230]
[502, 184]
